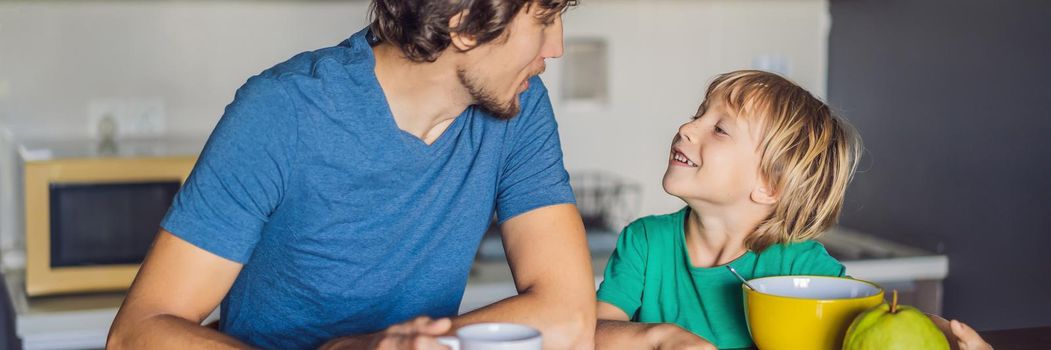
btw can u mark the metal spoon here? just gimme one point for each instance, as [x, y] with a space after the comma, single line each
[740, 278]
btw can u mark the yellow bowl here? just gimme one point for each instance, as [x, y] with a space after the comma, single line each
[805, 312]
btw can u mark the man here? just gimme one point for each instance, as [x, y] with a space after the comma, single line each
[344, 192]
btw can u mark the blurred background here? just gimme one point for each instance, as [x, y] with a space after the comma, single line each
[951, 98]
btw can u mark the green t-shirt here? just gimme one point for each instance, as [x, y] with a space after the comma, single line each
[650, 277]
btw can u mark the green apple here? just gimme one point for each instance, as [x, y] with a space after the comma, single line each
[893, 327]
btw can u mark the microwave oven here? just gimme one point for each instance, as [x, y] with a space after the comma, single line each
[91, 216]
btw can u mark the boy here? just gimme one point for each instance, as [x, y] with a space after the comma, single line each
[763, 167]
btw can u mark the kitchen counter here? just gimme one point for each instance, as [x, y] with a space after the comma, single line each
[917, 274]
[63, 322]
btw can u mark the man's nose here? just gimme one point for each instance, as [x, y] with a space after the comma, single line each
[553, 40]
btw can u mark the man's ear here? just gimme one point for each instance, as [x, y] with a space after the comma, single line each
[462, 42]
[763, 193]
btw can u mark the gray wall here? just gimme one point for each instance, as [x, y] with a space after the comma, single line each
[953, 100]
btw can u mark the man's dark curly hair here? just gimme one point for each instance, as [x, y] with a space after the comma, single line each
[421, 27]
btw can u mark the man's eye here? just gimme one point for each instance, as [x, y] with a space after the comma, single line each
[546, 21]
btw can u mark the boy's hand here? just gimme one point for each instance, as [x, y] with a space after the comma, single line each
[967, 338]
[669, 336]
[960, 335]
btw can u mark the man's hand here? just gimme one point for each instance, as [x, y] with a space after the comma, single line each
[419, 334]
[669, 336]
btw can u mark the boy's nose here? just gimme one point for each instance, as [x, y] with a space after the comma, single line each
[686, 132]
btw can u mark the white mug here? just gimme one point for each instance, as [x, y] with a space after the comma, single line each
[494, 336]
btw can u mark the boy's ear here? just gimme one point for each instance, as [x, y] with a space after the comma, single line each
[763, 193]
[462, 42]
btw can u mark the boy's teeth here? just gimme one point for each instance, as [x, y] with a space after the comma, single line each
[681, 158]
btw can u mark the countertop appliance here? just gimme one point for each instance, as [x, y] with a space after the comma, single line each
[90, 210]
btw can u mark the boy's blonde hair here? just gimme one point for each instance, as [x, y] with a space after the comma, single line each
[807, 155]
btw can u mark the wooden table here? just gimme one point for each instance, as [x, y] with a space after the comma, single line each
[1036, 338]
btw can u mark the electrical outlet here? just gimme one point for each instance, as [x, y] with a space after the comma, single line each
[132, 117]
[5, 88]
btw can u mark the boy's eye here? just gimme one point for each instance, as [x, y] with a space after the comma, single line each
[719, 130]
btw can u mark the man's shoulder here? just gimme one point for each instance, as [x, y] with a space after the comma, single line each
[535, 104]
[350, 57]
[536, 95]
[537, 88]
[322, 79]
[324, 63]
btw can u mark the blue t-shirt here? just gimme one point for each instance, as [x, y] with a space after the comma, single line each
[346, 224]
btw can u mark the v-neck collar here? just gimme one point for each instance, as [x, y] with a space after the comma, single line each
[360, 41]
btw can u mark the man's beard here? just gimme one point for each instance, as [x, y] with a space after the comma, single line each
[488, 102]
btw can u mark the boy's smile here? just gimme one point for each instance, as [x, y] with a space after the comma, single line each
[714, 158]
[680, 159]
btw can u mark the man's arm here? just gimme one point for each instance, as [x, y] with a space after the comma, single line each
[548, 254]
[177, 286]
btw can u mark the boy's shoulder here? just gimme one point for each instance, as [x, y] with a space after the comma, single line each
[805, 250]
[801, 258]
[795, 248]
[662, 224]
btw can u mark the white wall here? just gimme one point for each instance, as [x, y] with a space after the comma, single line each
[663, 54]
[57, 56]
